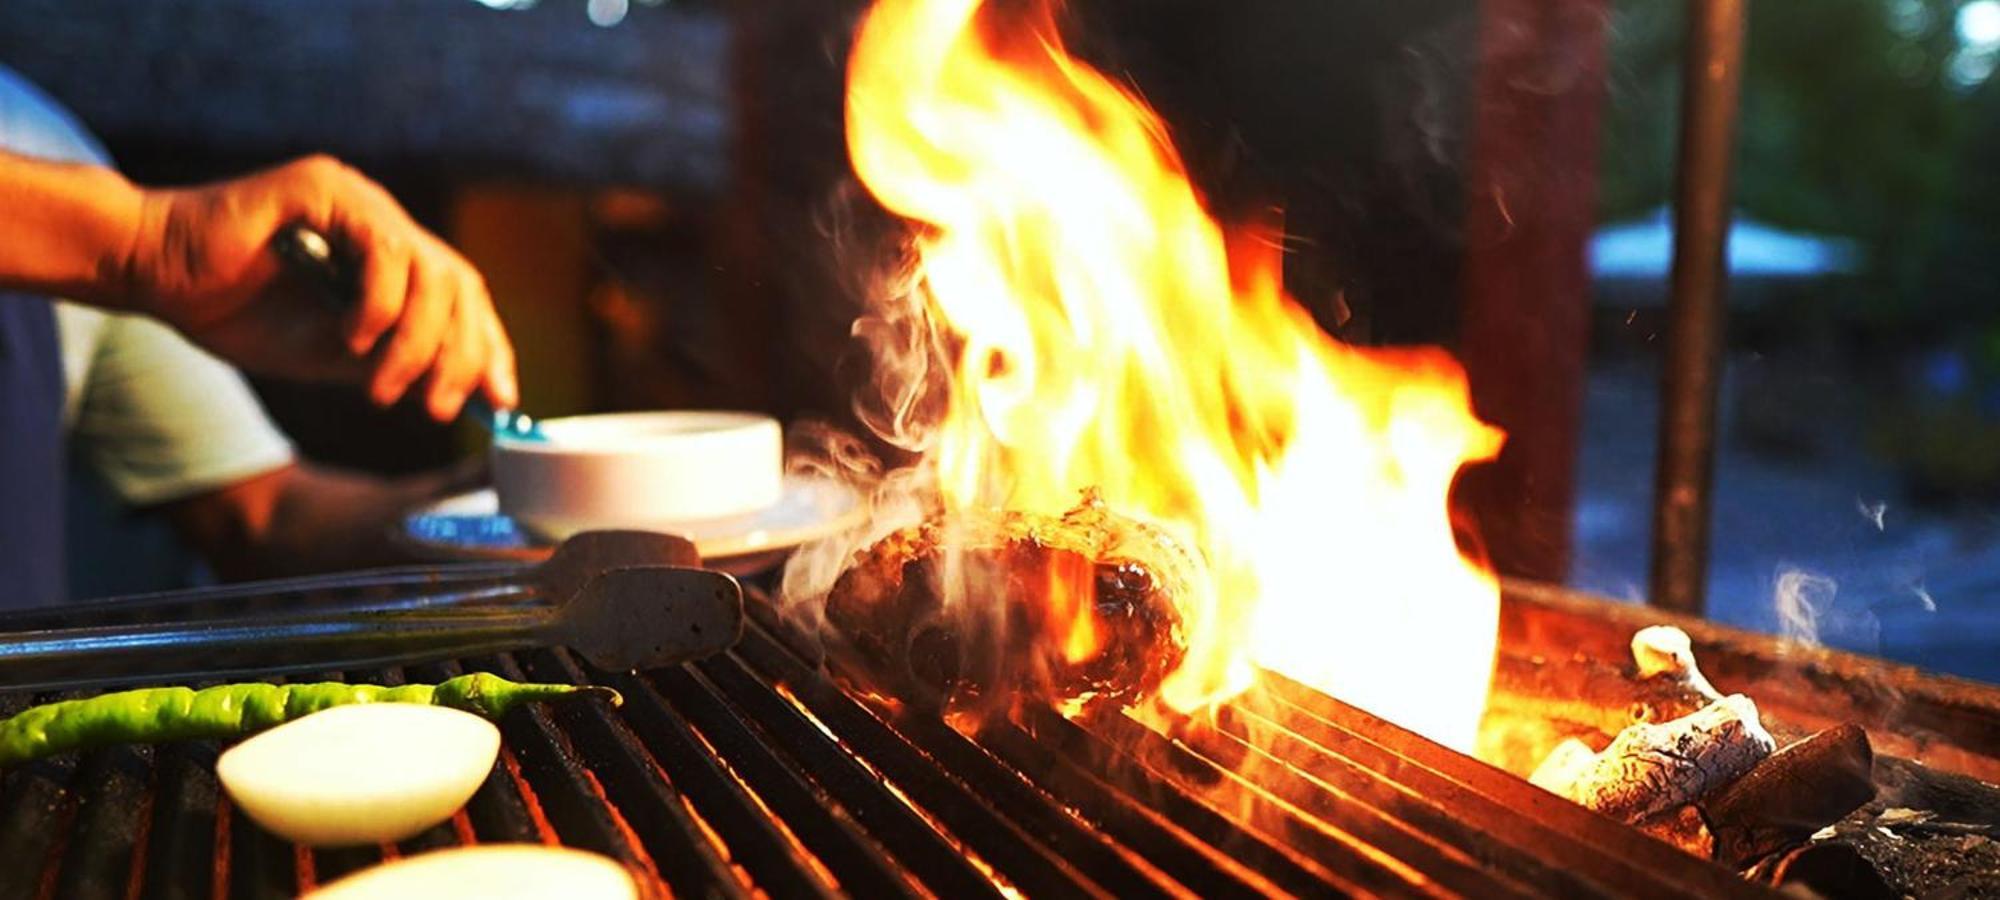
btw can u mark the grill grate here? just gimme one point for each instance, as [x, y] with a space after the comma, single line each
[752, 773]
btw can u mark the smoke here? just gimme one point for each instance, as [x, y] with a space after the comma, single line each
[908, 386]
[1802, 599]
[1873, 512]
[1811, 612]
[1524, 59]
[900, 396]
[890, 499]
[1427, 105]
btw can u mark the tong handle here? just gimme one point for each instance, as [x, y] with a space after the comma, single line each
[95, 656]
[409, 587]
[313, 256]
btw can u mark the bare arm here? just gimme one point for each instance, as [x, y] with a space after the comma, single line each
[67, 229]
[198, 259]
[303, 518]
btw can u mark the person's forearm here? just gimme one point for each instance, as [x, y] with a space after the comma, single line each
[330, 520]
[303, 519]
[65, 229]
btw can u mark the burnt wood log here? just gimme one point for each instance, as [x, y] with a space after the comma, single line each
[1901, 783]
[537, 92]
[1590, 694]
[1929, 831]
[1537, 703]
[1652, 768]
[1684, 828]
[1784, 800]
[1833, 871]
[1946, 723]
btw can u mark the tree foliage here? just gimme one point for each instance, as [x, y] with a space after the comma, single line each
[1850, 126]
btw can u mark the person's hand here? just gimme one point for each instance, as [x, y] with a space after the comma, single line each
[202, 261]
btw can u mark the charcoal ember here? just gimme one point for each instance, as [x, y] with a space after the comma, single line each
[1834, 871]
[975, 611]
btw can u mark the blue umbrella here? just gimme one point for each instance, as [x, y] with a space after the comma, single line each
[1643, 249]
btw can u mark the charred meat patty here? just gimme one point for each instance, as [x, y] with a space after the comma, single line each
[970, 611]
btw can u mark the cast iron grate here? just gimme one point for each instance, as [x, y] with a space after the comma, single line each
[753, 773]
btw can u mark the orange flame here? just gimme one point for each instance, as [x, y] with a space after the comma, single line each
[1115, 336]
[1069, 593]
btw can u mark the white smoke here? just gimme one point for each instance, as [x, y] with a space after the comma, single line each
[1924, 598]
[1873, 512]
[900, 399]
[909, 380]
[890, 498]
[1802, 600]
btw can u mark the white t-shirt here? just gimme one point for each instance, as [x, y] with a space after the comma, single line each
[159, 418]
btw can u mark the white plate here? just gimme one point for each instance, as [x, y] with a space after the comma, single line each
[471, 526]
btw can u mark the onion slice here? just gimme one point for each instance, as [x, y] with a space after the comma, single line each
[488, 872]
[362, 774]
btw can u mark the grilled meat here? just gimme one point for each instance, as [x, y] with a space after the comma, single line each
[971, 612]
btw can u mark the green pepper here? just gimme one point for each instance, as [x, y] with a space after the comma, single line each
[236, 710]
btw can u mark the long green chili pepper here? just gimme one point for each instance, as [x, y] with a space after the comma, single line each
[234, 710]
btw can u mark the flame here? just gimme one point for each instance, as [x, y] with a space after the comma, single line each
[1110, 334]
[1069, 593]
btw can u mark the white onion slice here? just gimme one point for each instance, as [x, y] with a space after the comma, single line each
[362, 774]
[488, 872]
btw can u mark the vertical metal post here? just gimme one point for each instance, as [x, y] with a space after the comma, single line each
[1691, 377]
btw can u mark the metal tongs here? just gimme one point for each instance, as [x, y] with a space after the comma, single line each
[622, 599]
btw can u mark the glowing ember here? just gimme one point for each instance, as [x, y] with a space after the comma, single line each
[1116, 337]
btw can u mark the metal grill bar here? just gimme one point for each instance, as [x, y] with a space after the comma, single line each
[1275, 743]
[111, 815]
[1445, 806]
[929, 855]
[1511, 809]
[1012, 796]
[1340, 849]
[179, 851]
[1147, 796]
[964, 814]
[1360, 807]
[755, 842]
[653, 806]
[855, 863]
[563, 788]
[258, 864]
[1187, 851]
[754, 773]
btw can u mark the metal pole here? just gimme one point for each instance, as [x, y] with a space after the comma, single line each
[1691, 377]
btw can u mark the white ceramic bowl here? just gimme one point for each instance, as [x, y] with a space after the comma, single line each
[652, 470]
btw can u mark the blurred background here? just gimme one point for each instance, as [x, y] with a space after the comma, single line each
[659, 196]
[1859, 463]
